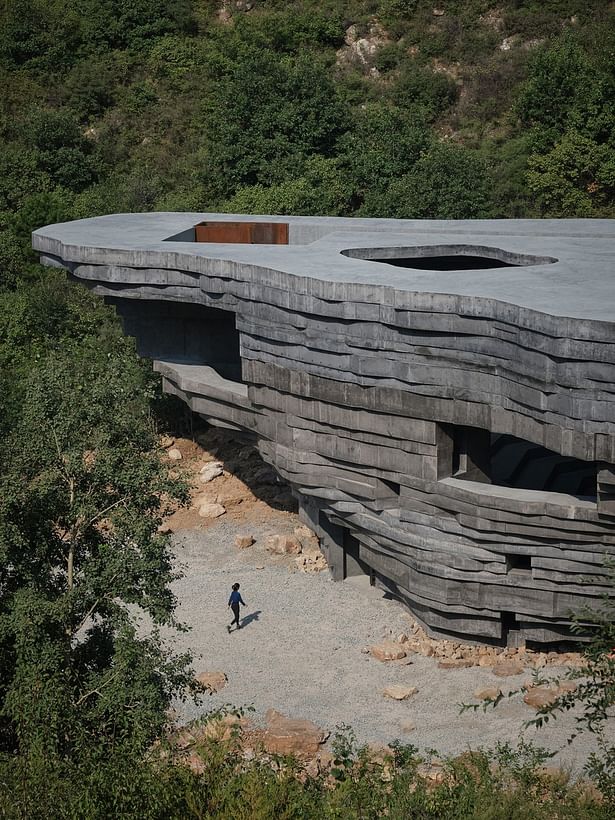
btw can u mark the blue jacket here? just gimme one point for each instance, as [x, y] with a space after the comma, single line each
[236, 598]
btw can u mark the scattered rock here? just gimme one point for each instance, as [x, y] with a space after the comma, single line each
[213, 681]
[485, 660]
[221, 728]
[244, 541]
[211, 510]
[438, 12]
[174, 454]
[166, 442]
[507, 43]
[321, 763]
[285, 736]
[454, 663]
[407, 726]
[566, 686]
[362, 50]
[493, 19]
[540, 696]
[387, 651]
[398, 692]
[210, 471]
[306, 533]
[508, 669]
[487, 693]
[283, 545]
[402, 638]
[260, 566]
[312, 561]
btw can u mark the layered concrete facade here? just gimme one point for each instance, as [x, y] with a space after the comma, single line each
[438, 394]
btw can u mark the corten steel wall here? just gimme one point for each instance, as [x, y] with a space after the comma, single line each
[354, 374]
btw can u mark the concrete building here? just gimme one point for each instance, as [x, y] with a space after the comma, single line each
[438, 394]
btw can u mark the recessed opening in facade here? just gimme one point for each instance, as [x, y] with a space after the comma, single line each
[184, 333]
[447, 257]
[473, 454]
[393, 486]
[344, 550]
[519, 563]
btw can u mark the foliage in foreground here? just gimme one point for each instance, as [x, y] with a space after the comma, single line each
[83, 490]
[593, 697]
[502, 785]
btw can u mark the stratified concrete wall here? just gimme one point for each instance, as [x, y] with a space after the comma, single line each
[350, 387]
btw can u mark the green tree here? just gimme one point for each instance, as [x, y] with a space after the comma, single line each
[446, 182]
[83, 492]
[322, 189]
[559, 81]
[383, 145]
[264, 116]
[575, 178]
[62, 151]
[419, 88]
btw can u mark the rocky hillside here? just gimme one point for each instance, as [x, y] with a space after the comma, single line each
[401, 108]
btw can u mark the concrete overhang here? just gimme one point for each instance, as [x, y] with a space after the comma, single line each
[579, 284]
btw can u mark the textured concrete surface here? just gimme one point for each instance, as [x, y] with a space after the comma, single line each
[380, 393]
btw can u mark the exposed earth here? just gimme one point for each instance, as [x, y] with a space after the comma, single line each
[304, 648]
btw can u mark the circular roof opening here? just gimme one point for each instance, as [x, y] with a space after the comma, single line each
[447, 257]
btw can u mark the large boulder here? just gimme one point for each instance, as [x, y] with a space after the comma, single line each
[283, 545]
[210, 471]
[540, 696]
[488, 693]
[397, 691]
[285, 736]
[211, 510]
[388, 651]
[507, 669]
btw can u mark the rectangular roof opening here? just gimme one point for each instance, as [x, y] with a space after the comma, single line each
[242, 233]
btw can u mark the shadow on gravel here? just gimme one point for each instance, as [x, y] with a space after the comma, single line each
[248, 619]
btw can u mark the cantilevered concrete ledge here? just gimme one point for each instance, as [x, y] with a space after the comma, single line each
[439, 394]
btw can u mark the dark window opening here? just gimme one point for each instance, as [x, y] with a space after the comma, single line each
[393, 486]
[184, 334]
[518, 562]
[458, 262]
[464, 453]
[511, 633]
[472, 454]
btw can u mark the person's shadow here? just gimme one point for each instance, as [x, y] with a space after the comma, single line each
[247, 619]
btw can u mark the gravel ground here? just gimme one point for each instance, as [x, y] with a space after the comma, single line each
[300, 653]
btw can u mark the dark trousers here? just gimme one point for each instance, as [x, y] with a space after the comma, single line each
[235, 608]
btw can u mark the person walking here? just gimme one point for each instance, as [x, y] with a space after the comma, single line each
[234, 602]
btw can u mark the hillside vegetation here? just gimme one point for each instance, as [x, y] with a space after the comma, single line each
[383, 108]
[377, 108]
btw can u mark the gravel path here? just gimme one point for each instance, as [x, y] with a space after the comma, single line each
[300, 653]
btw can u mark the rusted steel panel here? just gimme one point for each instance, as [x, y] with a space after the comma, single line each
[246, 233]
